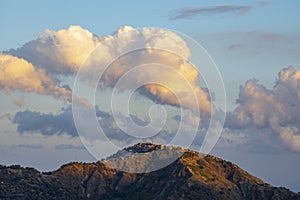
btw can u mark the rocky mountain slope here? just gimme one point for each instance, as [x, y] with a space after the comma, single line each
[189, 177]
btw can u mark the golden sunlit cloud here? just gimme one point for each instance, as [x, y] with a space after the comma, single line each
[18, 74]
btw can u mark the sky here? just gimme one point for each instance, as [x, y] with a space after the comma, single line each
[254, 45]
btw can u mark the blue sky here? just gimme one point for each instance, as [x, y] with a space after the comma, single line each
[27, 19]
[246, 39]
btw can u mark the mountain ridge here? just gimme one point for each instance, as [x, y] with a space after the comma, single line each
[191, 176]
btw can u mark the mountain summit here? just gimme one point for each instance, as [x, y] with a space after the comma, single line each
[191, 176]
[144, 147]
[144, 157]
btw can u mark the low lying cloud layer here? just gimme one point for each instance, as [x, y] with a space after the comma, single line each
[49, 124]
[46, 124]
[52, 123]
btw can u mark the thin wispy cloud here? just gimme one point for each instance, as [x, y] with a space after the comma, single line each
[68, 147]
[193, 12]
[19, 101]
[6, 116]
[257, 42]
[263, 3]
[259, 35]
[27, 146]
[234, 47]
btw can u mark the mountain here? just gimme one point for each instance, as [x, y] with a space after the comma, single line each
[192, 176]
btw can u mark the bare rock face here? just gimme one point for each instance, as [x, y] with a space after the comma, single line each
[192, 176]
[144, 148]
[144, 157]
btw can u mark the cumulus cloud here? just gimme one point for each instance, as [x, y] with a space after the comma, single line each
[19, 74]
[173, 86]
[191, 12]
[61, 53]
[170, 68]
[275, 109]
[41, 65]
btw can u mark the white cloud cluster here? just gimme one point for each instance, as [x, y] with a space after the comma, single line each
[161, 49]
[61, 53]
[276, 109]
[19, 74]
[40, 66]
